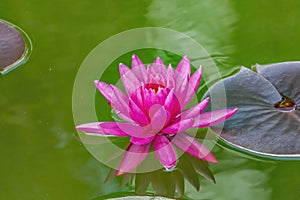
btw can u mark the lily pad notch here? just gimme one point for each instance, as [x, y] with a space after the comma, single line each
[15, 47]
[267, 123]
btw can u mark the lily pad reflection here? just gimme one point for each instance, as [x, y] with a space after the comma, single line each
[268, 119]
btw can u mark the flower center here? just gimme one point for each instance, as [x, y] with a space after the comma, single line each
[154, 87]
[285, 105]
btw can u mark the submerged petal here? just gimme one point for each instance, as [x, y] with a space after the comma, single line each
[135, 155]
[189, 144]
[164, 151]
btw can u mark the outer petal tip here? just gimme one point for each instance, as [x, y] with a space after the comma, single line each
[158, 61]
[186, 58]
[119, 173]
[233, 111]
[135, 57]
[210, 158]
[136, 62]
[99, 84]
[96, 82]
[92, 127]
[122, 68]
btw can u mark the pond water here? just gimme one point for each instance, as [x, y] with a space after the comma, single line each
[41, 155]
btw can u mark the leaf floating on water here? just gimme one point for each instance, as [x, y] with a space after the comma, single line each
[15, 47]
[268, 118]
[284, 77]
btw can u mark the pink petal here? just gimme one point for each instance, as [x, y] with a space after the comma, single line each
[135, 155]
[136, 62]
[158, 61]
[213, 118]
[159, 118]
[164, 151]
[184, 68]
[193, 85]
[137, 114]
[95, 127]
[150, 98]
[179, 126]
[141, 141]
[172, 104]
[182, 85]
[139, 69]
[130, 82]
[117, 99]
[105, 89]
[159, 66]
[170, 74]
[193, 147]
[162, 94]
[196, 110]
[125, 129]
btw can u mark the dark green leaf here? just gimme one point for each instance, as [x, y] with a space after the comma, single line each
[163, 184]
[202, 168]
[188, 171]
[142, 182]
[179, 180]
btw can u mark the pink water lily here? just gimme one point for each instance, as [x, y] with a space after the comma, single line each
[153, 113]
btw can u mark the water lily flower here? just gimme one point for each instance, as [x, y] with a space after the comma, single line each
[153, 113]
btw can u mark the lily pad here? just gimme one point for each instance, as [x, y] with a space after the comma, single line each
[268, 118]
[14, 47]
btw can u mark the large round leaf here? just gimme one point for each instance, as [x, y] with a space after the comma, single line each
[268, 119]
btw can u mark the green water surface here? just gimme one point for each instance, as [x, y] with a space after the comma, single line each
[40, 153]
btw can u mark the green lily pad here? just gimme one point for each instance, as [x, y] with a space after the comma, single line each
[268, 120]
